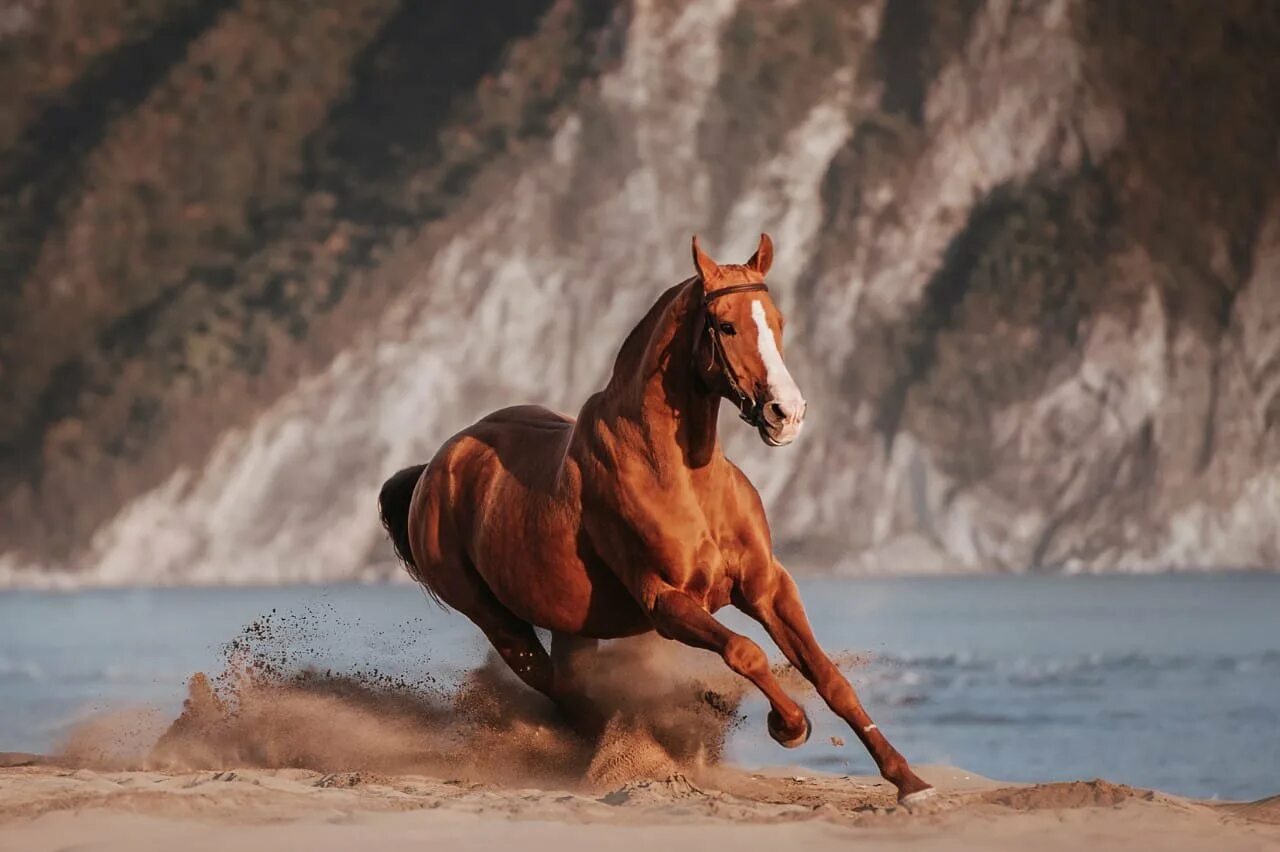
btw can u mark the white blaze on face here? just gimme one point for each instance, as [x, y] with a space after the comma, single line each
[782, 388]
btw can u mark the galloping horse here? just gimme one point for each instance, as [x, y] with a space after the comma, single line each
[630, 518]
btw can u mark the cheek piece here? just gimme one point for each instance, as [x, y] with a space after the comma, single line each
[749, 409]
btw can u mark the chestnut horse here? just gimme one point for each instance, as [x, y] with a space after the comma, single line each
[630, 518]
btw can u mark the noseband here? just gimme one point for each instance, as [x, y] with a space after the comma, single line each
[749, 409]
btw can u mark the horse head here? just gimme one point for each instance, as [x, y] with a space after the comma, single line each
[738, 353]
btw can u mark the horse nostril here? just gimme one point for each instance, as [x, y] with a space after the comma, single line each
[776, 411]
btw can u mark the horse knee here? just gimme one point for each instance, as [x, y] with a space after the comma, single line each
[745, 657]
[676, 616]
[671, 614]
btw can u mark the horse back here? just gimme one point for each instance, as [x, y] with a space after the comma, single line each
[501, 502]
[522, 445]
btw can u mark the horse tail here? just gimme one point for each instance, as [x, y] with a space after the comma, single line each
[393, 505]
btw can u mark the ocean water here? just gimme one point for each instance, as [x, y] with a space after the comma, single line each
[1170, 682]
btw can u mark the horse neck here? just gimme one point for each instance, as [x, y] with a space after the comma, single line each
[654, 387]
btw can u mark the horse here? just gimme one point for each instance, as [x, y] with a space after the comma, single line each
[630, 518]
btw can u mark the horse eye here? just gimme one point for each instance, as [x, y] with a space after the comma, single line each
[727, 329]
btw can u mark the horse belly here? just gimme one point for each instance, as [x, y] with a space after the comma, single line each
[526, 546]
[542, 578]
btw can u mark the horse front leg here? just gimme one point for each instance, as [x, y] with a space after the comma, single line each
[678, 616]
[778, 607]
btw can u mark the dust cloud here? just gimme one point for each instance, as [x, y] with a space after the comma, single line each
[670, 709]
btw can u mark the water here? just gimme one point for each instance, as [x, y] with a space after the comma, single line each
[1170, 682]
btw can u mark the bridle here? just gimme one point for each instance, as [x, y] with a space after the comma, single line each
[749, 409]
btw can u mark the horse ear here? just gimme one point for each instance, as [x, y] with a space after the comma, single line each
[704, 265]
[763, 258]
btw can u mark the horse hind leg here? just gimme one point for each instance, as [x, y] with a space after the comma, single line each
[518, 645]
[572, 658]
[460, 586]
[448, 575]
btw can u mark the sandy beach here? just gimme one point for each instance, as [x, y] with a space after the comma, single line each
[48, 807]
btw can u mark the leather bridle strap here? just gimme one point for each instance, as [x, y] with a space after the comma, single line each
[748, 409]
[708, 298]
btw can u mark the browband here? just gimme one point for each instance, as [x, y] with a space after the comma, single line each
[708, 298]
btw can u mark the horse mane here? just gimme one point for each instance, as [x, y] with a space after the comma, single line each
[631, 356]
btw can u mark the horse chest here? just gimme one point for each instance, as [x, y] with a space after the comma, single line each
[708, 581]
[711, 589]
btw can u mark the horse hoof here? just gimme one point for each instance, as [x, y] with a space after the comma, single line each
[912, 801]
[775, 731]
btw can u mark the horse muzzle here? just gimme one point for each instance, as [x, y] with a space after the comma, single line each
[780, 421]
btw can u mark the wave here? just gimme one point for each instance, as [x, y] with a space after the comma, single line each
[913, 677]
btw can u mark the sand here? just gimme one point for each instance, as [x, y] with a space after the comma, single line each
[46, 807]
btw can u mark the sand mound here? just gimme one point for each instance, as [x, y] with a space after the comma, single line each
[1072, 794]
[673, 788]
[626, 753]
[1264, 810]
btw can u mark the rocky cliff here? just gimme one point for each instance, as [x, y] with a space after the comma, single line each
[259, 253]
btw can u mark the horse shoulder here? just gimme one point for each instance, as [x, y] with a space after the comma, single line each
[652, 533]
[744, 503]
[743, 535]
